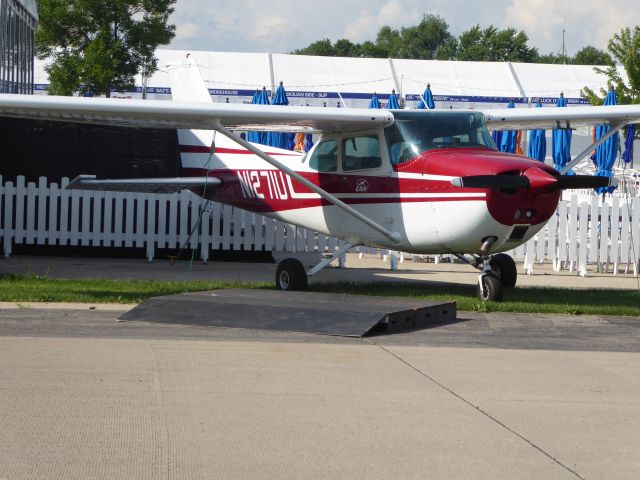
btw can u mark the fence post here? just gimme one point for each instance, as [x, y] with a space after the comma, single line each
[635, 234]
[150, 240]
[604, 237]
[43, 193]
[581, 267]
[615, 234]
[7, 227]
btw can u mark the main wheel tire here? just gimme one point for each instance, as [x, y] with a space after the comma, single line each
[505, 269]
[492, 289]
[290, 275]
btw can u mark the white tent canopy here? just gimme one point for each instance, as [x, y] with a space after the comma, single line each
[234, 77]
[338, 81]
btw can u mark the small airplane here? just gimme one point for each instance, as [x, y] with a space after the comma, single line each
[419, 181]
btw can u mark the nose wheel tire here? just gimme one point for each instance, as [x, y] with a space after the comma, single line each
[491, 290]
[291, 275]
[505, 269]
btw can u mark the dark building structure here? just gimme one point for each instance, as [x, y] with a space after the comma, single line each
[55, 149]
[37, 148]
[18, 19]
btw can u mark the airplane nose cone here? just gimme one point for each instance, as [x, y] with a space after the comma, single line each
[539, 179]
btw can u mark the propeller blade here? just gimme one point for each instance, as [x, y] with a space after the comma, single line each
[582, 181]
[492, 181]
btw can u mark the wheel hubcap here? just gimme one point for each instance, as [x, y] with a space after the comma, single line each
[284, 280]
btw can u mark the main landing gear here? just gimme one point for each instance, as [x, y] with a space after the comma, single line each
[291, 275]
[497, 272]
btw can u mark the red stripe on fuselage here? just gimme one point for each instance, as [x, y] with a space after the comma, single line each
[272, 190]
[233, 151]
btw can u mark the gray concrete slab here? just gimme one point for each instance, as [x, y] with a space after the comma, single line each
[108, 408]
[580, 408]
[491, 396]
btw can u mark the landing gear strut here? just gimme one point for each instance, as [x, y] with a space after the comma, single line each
[290, 274]
[497, 272]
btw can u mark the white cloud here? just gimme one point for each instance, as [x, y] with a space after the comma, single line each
[587, 22]
[283, 25]
[187, 31]
[392, 12]
[270, 26]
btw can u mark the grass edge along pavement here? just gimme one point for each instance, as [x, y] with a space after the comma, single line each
[34, 288]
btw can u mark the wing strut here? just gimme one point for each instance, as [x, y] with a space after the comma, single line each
[615, 128]
[393, 236]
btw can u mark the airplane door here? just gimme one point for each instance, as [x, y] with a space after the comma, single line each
[364, 175]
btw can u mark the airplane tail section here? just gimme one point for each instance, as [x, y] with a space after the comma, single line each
[188, 85]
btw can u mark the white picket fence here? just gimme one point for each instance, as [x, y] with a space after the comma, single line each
[605, 234]
[48, 214]
[601, 233]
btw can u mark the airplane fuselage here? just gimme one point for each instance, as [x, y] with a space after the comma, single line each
[411, 196]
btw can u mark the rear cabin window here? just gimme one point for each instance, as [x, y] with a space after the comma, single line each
[361, 153]
[325, 157]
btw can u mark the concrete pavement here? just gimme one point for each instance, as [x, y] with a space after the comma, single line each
[122, 408]
[495, 396]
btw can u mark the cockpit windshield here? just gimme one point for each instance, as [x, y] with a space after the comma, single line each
[414, 132]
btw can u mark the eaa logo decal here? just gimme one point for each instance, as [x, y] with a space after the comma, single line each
[362, 185]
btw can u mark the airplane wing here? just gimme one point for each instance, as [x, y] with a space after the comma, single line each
[551, 117]
[191, 115]
[142, 185]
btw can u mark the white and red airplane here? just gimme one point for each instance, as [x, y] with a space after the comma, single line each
[419, 181]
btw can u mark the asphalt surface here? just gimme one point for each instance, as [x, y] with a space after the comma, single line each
[86, 395]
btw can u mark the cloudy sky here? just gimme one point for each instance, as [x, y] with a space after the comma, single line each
[280, 26]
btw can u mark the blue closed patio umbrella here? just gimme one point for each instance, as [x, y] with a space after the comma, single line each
[308, 142]
[374, 102]
[606, 153]
[561, 142]
[496, 136]
[509, 138]
[393, 103]
[280, 139]
[427, 101]
[261, 97]
[630, 133]
[537, 142]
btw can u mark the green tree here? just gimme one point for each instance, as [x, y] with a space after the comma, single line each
[372, 50]
[493, 45]
[448, 50]
[553, 58]
[423, 40]
[97, 45]
[591, 56]
[320, 48]
[388, 41]
[345, 48]
[624, 47]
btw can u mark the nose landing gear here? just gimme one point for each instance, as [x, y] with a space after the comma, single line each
[497, 272]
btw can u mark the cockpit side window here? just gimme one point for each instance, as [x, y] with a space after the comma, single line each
[325, 157]
[361, 153]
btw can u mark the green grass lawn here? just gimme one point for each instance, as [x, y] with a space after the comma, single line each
[33, 288]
